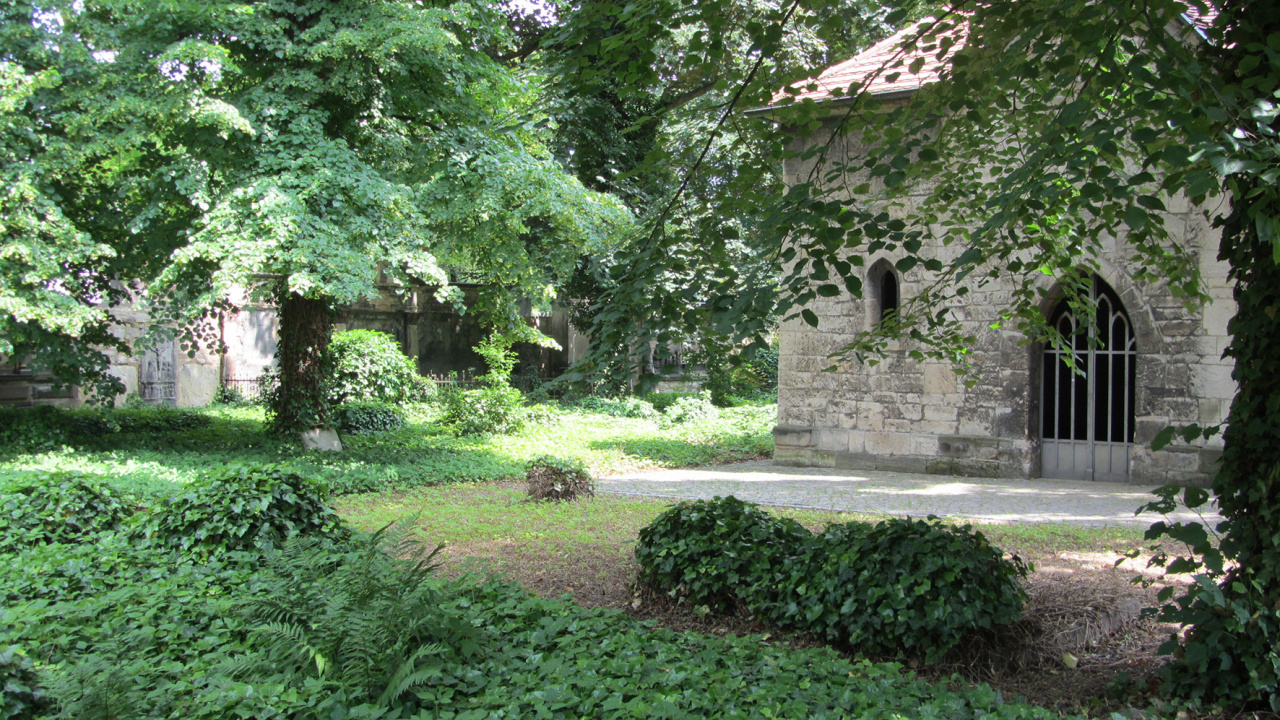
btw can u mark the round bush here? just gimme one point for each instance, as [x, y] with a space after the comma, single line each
[629, 407]
[900, 586]
[709, 552]
[58, 508]
[368, 366]
[490, 409]
[690, 408]
[234, 508]
[366, 418]
[663, 400]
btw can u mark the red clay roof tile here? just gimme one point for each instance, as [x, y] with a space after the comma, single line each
[871, 66]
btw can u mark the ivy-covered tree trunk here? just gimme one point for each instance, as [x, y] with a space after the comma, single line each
[301, 402]
[1232, 652]
[1248, 482]
[1248, 495]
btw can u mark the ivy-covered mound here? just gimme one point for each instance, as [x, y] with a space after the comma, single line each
[239, 507]
[900, 586]
[46, 426]
[710, 552]
[331, 626]
[57, 508]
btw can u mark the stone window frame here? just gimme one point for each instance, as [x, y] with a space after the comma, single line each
[875, 295]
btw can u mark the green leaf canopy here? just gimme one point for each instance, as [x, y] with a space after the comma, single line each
[314, 149]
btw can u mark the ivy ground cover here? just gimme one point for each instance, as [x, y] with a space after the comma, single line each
[156, 615]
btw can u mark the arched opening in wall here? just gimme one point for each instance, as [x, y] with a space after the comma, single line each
[883, 292]
[1087, 392]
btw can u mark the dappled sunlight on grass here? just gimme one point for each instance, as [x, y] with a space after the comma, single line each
[478, 514]
[422, 454]
[501, 513]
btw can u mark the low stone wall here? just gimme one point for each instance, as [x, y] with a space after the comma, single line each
[438, 338]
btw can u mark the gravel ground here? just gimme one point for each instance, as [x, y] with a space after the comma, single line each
[891, 493]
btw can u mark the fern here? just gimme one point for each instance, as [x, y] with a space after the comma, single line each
[407, 675]
[367, 619]
[96, 688]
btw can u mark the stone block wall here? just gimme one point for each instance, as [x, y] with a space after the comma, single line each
[435, 335]
[918, 416]
[163, 374]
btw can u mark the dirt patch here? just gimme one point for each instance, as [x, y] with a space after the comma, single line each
[1080, 631]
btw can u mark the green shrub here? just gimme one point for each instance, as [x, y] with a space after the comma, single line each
[744, 381]
[229, 395]
[419, 413]
[901, 586]
[234, 508]
[763, 365]
[21, 697]
[496, 407]
[541, 415]
[57, 508]
[629, 407]
[710, 552]
[366, 418]
[45, 427]
[268, 387]
[689, 409]
[552, 478]
[368, 366]
[483, 411]
[663, 400]
[897, 587]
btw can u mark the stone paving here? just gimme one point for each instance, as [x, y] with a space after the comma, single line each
[892, 493]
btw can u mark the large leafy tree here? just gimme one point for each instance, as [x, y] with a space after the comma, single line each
[301, 149]
[647, 97]
[46, 262]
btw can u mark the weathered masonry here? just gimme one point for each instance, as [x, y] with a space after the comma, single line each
[1029, 415]
[438, 339]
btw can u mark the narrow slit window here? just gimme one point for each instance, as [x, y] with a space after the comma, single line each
[889, 299]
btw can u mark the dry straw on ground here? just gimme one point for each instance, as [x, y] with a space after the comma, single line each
[558, 480]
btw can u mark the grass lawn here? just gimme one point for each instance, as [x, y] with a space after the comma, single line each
[149, 465]
[462, 515]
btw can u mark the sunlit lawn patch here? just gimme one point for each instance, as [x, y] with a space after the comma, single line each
[421, 454]
[476, 515]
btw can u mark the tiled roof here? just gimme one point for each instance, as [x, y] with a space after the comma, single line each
[872, 65]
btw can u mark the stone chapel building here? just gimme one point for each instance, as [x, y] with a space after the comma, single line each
[1028, 416]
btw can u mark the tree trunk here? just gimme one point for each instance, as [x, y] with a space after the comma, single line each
[1247, 496]
[301, 402]
[1230, 652]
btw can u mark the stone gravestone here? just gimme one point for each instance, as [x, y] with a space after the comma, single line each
[158, 376]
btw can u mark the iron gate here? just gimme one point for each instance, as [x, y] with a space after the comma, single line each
[1087, 393]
